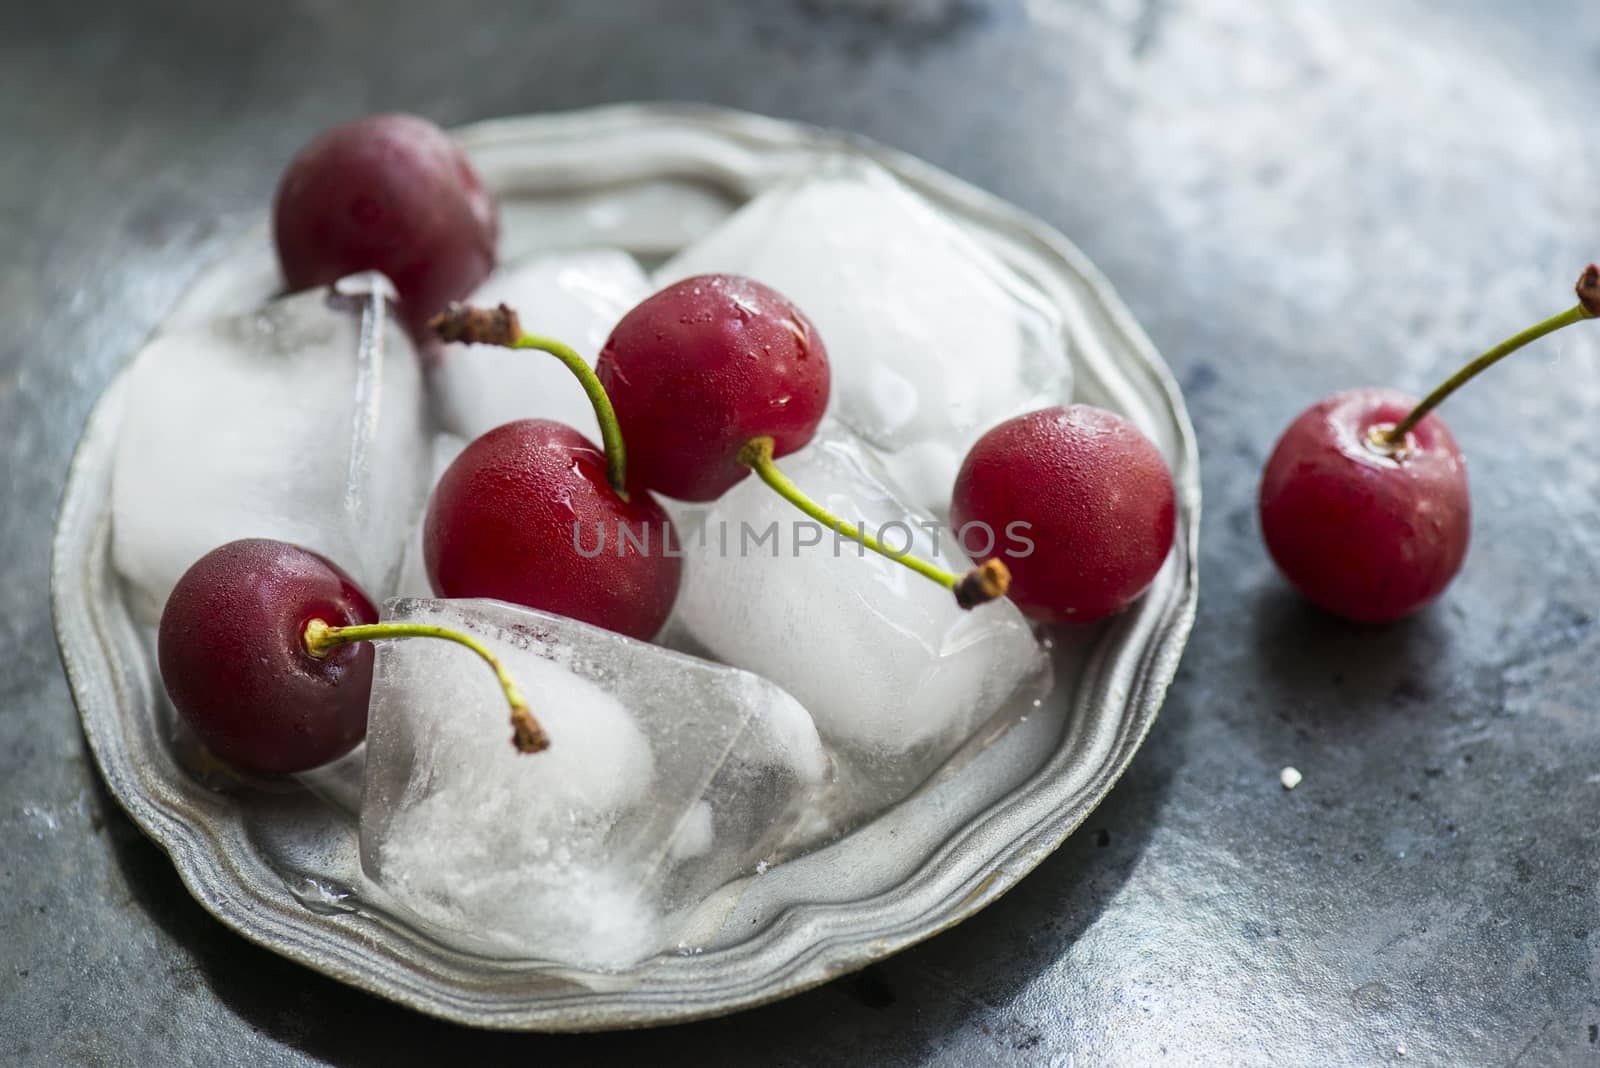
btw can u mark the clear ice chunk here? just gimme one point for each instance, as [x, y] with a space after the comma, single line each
[667, 778]
[302, 421]
[895, 675]
[931, 338]
[574, 297]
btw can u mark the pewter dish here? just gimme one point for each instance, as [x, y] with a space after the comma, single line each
[277, 862]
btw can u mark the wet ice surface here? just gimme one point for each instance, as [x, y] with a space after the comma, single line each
[931, 339]
[667, 777]
[896, 676]
[575, 298]
[302, 421]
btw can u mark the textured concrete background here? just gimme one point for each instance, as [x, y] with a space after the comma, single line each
[1293, 198]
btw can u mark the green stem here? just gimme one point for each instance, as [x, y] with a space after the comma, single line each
[527, 735]
[983, 583]
[610, 431]
[1396, 436]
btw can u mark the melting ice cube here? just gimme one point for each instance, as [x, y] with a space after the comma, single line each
[931, 339]
[301, 421]
[574, 297]
[666, 778]
[896, 676]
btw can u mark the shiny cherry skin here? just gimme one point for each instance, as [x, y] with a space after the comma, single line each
[525, 514]
[390, 193]
[234, 662]
[701, 368]
[1097, 500]
[1367, 534]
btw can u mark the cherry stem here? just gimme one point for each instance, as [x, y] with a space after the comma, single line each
[500, 326]
[526, 734]
[983, 583]
[610, 429]
[1588, 307]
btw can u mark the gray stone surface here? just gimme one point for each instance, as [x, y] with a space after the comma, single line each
[1294, 198]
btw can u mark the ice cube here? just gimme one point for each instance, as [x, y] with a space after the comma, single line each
[574, 297]
[931, 338]
[896, 676]
[302, 421]
[667, 777]
[414, 572]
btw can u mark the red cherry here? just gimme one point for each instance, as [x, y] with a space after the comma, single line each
[264, 651]
[1098, 504]
[234, 663]
[1367, 532]
[518, 514]
[391, 193]
[701, 368]
[1364, 503]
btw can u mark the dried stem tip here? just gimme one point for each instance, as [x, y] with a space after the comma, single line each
[477, 326]
[526, 734]
[987, 582]
[1589, 290]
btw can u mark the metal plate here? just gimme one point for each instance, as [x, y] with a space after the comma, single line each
[278, 865]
